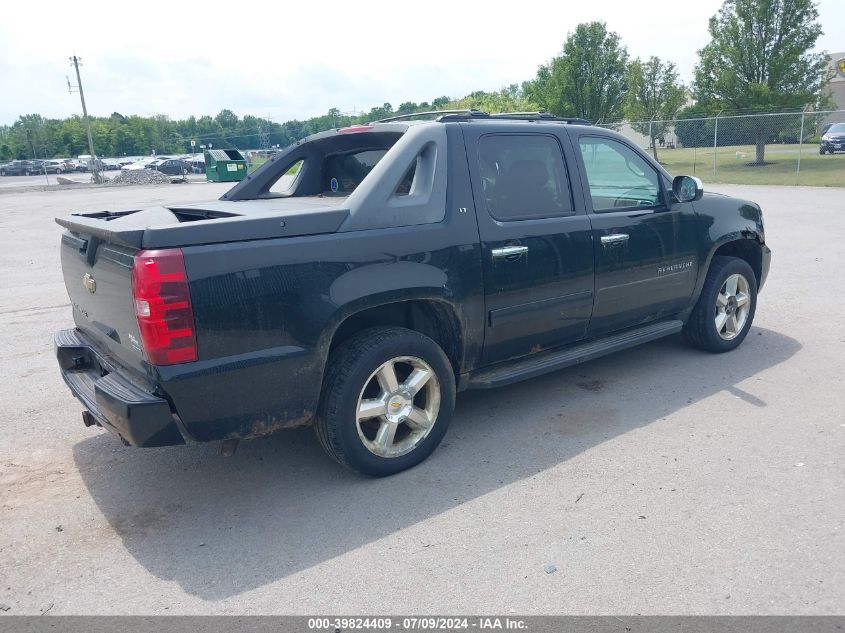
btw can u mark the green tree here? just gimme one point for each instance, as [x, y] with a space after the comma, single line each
[694, 126]
[509, 99]
[588, 78]
[654, 97]
[761, 59]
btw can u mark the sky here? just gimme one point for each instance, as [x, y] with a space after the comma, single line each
[297, 60]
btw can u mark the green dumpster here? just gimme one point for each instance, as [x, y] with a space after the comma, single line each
[224, 165]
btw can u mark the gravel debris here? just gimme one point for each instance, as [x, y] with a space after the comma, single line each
[139, 177]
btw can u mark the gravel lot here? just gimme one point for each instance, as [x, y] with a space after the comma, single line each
[658, 481]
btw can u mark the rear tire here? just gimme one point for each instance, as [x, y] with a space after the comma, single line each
[725, 310]
[388, 397]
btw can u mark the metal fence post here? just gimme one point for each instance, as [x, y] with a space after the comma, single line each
[650, 137]
[800, 148]
[715, 136]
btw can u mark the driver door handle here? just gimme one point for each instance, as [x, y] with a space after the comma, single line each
[509, 251]
[614, 239]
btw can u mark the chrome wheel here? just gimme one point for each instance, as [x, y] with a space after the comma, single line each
[398, 406]
[732, 306]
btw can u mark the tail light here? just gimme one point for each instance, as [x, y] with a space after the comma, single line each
[352, 129]
[163, 307]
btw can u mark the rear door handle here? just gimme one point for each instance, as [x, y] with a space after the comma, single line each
[508, 252]
[615, 239]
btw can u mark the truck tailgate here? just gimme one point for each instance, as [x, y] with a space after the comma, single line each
[98, 278]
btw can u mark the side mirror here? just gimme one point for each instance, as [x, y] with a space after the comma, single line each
[687, 188]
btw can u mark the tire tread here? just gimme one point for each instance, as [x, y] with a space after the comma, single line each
[697, 329]
[341, 364]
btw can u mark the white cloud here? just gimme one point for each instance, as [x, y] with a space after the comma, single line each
[300, 60]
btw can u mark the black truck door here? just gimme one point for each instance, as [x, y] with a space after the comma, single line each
[536, 242]
[645, 245]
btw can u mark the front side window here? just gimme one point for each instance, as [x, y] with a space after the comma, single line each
[523, 177]
[619, 177]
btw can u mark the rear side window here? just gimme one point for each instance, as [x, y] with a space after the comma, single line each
[524, 177]
[286, 180]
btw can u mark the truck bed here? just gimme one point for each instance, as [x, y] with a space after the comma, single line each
[212, 222]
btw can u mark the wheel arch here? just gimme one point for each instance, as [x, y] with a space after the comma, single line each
[431, 316]
[743, 245]
[745, 248]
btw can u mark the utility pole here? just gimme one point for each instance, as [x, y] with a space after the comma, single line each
[95, 170]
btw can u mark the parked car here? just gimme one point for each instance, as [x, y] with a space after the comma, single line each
[19, 168]
[142, 163]
[196, 164]
[54, 166]
[363, 276]
[171, 167]
[36, 167]
[833, 140]
[86, 163]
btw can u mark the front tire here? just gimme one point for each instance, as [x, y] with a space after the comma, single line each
[725, 310]
[388, 397]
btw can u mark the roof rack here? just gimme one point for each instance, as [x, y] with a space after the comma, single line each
[473, 115]
[437, 113]
[540, 115]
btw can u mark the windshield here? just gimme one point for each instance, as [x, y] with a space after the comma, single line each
[837, 128]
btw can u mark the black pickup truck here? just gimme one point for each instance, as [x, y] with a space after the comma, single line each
[364, 275]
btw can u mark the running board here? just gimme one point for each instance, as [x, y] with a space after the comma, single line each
[539, 364]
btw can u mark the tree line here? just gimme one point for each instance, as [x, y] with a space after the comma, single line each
[759, 59]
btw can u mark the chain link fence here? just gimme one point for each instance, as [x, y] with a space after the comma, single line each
[758, 149]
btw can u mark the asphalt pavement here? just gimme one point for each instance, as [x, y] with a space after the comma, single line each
[661, 480]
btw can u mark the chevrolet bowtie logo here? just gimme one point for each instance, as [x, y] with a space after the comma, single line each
[89, 282]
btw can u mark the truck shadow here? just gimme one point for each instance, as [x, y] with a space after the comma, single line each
[223, 526]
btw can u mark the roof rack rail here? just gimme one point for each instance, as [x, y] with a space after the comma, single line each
[515, 116]
[438, 113]
[473, 114]
[539, 115]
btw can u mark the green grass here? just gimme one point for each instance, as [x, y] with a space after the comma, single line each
[256, 162]
[782, 167]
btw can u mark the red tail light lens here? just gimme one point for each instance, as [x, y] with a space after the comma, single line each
[163, 307]
[352, 129]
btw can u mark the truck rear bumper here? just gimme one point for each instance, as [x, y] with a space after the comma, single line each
[115, 402]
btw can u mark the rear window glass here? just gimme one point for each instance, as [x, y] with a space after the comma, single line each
[342, 173]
